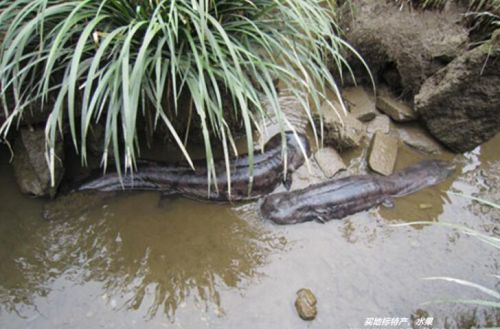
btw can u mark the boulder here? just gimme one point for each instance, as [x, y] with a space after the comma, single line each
[383, 153]
[361, 105]
[460, 104]
[30, 165]
[401, 47]
[396, 109]
[306, 304]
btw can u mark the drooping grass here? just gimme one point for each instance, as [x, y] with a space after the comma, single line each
[490, 240]
[122, 58]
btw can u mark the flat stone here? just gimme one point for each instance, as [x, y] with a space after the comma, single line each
[30, 166]
[306, 304]
[361, 106]
[397, 110]
[381, 123]
[383, 153]
[341, 131]
[417, 137]
[329, 161]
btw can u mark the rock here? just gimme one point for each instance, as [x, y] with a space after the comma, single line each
[460, 104]
[293, 110]
[381, 123]
[402, 48]
[307, 175]
[341, 131]
[306, 304]
[383, 153]
[329, 161]
[397, 110]
[361, 106]
[417, 137]
[30, 165]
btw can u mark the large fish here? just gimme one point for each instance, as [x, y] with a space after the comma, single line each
[339, 198]
[268, 170]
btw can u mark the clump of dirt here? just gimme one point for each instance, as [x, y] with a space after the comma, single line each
[402, 46]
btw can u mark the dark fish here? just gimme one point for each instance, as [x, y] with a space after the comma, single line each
[339, 198]
[268, 170]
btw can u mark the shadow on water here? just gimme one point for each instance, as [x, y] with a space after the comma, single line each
[147, 255]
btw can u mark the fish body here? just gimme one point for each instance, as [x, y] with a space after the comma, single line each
[268, 173]
[336, 199]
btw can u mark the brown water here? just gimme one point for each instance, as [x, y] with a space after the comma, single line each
[139, 261]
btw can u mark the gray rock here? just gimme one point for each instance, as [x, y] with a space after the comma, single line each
[397, 110]
[417, 137]
[341, 131]
[306, 304]
[292, 109]
[381, 123]
[460, 104]
[383, 153]
[307, 175]
[362, 106]
[329, 161]
[30, 165]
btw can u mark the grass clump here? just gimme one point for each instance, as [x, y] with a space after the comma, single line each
[113, 61]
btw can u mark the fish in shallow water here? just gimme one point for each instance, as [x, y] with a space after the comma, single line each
[339, 198]
[268, 169]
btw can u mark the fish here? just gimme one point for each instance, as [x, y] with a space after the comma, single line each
[268, 172]
[338, 198]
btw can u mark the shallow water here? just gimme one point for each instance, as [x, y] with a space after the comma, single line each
[139, 261]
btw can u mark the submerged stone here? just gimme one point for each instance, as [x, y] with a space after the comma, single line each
[383, 154]
[306, 304]
[362, 107]
[417, 137]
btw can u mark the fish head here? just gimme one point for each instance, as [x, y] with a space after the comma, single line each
[441, 169]
[278, 208]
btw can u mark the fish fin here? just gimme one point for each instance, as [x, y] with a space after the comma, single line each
[287, 182]
[388, 203]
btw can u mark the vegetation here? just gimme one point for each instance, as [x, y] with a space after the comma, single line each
[113, 61]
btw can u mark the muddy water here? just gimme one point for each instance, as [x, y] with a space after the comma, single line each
[139, 261]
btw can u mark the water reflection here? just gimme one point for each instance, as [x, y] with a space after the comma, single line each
[146, 256]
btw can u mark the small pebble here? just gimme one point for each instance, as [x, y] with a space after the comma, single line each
[425, 206]
[306, 304]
